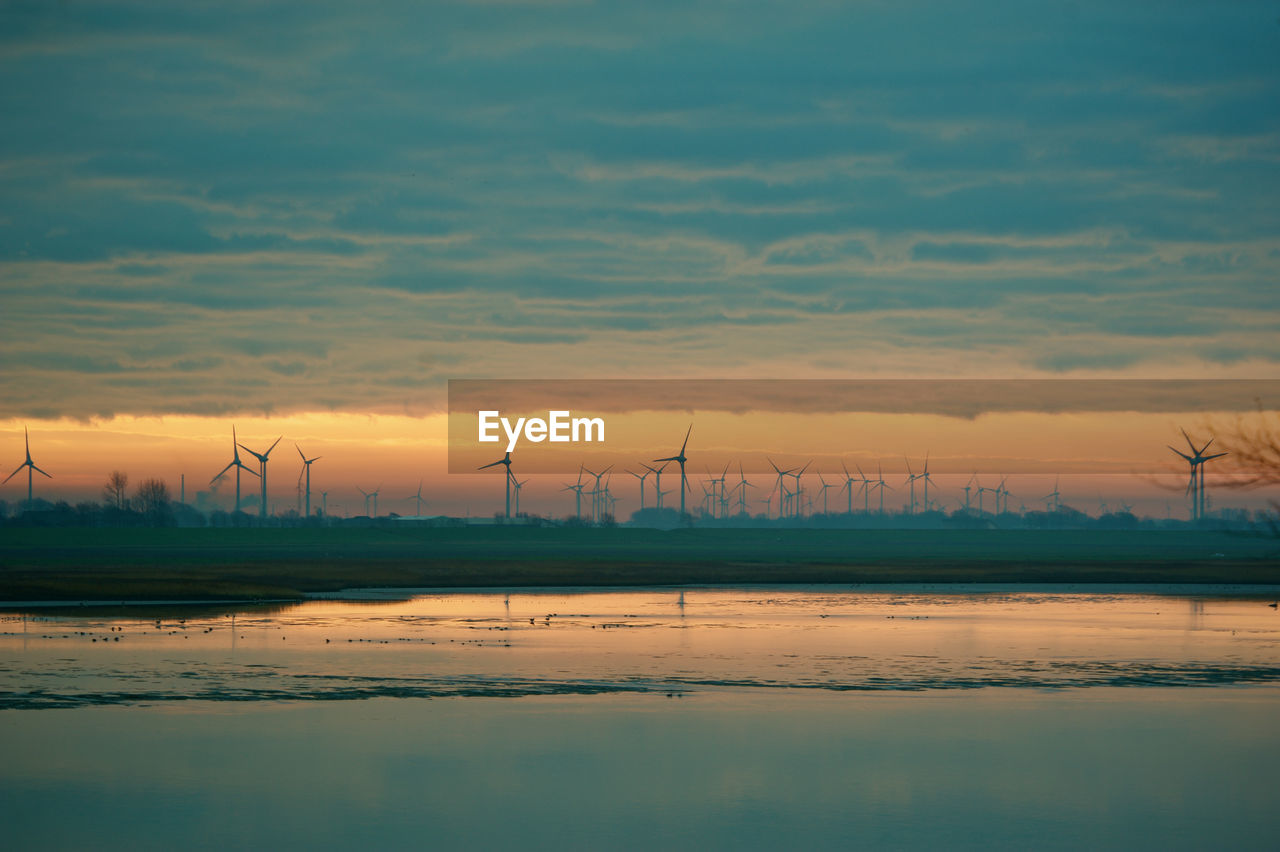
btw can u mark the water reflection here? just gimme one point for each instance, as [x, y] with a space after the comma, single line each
[1090, 769]
[662, 641]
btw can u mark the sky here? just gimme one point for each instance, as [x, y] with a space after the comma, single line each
[317, 213]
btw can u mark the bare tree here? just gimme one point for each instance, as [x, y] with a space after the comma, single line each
[1254, 444]
[152, 498]
[115, 491]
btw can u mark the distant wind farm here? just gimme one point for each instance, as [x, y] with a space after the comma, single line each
[800, 494]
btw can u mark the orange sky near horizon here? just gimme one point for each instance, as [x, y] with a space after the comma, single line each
[1114, 453]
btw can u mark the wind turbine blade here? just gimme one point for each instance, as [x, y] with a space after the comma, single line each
[246, 468]
[1215, 456]
[668, 459]
[1179, 452]
[272, 447]
[38, 470]
[260, 457]
[491, 464]
[15, 473]
[911, 472]
[1188, 437]
[686, 439]
[211, 481]
[300, 455]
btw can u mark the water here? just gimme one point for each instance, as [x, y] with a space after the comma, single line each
[712, 718]
[639, 641]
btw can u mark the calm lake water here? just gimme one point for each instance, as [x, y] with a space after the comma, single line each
[708, 718]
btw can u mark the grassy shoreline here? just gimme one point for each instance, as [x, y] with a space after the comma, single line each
[282, 564]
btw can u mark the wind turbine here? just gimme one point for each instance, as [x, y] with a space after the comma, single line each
[848, 486]
[982, 489]
[743, 485]
[1195, 487]
[518, 486]
[927, 479]
[882, 485]
[306, 465]
[576, 488]
[370, 495]
[641, 477]
[1052, 500]
[823, 488]
[28, 464]
[968, 486]
[680, 459]
[237, 464]
[657, 482]
[607, 499]
[911, 480]
[505, 460]
[597, 494]
[720, 502]
[796, 505]
[779, 486]
[262, 460]
[418, 497]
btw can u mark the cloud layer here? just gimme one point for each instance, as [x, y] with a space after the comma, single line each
[275, 207]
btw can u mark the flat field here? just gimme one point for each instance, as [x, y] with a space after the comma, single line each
[209, 564]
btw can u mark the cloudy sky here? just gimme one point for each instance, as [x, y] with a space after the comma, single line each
[250, 209]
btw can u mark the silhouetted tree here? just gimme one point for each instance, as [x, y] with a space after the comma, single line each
[1254, 444]
[152, 498]
[115, 492]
